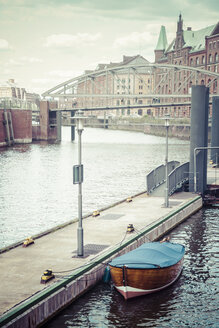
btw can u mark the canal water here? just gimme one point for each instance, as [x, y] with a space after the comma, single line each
[192, 301]
[36, 180]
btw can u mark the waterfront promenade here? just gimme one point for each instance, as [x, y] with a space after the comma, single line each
[104, 237]
[21, 268]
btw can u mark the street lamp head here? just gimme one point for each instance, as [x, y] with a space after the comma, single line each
[80, 120]
[167, 120]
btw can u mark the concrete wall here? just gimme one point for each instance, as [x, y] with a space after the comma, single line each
[47, 303]
[175, 131]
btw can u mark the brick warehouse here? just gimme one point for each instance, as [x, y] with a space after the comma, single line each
[198, 49]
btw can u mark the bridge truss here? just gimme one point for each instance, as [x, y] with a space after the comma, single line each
[133, 87]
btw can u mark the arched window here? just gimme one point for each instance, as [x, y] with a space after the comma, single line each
[210, 58]
[202, 82]
[197, 60]
[216, 58]
[203, 59]
[191, 61]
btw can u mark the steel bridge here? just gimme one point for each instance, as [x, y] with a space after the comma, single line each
[133, 86]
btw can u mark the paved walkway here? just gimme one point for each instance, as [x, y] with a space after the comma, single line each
[21, 268]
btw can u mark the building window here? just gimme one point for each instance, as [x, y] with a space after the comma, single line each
[216, 58]
[203, 59]
[210, 58]
[202, 82]
[140, 87]
[191, 61]
[197, 60]
[210, 45]
[214, 44]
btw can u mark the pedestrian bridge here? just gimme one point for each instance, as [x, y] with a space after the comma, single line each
[129, 86]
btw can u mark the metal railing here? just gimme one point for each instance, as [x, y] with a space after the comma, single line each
[157, 176]
[10, 103]
[178, 176]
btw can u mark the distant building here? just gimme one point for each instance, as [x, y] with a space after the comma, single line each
[119, 83]
[11, 91]
[189, 48]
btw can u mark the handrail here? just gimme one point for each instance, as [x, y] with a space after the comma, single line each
[178, 176]
[157, 176]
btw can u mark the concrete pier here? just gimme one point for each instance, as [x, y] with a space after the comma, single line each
[24, 302]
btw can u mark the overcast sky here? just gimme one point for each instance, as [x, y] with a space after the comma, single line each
[46, 42]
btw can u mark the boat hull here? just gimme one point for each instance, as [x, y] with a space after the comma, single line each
[136, 282]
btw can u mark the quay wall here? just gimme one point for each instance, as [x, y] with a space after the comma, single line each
[16, 125]
[180, 131]
[20, 120]
[47, 303]
[175, 131]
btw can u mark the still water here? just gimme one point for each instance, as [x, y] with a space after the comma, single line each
[192, 301]
[36, 187]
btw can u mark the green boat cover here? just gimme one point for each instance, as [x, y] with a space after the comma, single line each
[151, 255]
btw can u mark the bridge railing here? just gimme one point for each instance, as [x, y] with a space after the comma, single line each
[178, 176]
[157, 176]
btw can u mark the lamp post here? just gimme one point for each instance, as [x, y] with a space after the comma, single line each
[167, 119]
[78, 179]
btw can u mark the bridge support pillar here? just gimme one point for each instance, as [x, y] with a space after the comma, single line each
[72, 127]
[215, 130]
[59, 125]
[199, 138]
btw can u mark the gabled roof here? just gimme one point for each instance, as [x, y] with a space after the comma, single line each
[126, 61]
[162, 40]
[194, 39]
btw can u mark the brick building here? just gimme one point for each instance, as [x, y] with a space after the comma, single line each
[198, 49]
[119, 84]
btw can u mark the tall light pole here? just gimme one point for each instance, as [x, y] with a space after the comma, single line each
[167, 118]
[78, 179]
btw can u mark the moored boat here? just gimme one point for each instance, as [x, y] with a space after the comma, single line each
[147, 269]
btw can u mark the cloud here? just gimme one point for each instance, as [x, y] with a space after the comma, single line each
[70, 40]
[4, 45]
[22, 61]
[65, 74]
[134, 39]
[31, 60]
